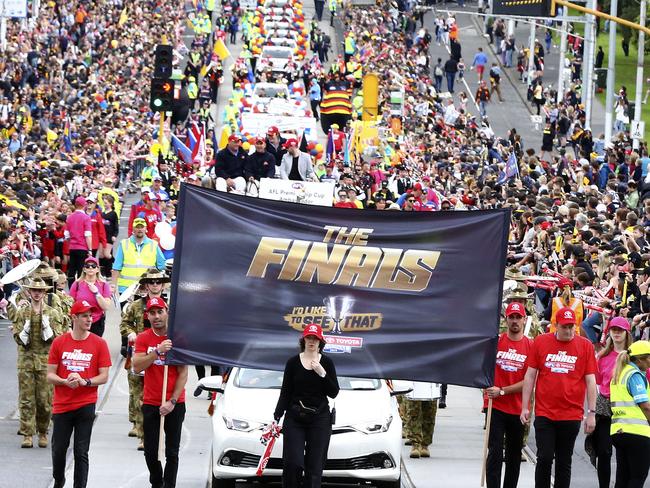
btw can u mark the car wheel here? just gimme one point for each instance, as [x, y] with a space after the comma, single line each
[223, 483]
[389, 484]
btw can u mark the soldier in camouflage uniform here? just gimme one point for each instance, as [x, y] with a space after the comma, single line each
[35, 325]
[53, 298]
[421, 421]
[59, 287]
[134, 321]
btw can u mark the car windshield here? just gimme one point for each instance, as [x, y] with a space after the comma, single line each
[271, 91]
[262, 378]
[277, 53]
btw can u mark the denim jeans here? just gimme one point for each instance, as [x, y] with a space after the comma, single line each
[451, 77]
[482, 107]
[588, 324]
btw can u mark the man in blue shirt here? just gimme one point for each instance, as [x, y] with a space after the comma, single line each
[126, 267]
[314, 96]
[480, 61]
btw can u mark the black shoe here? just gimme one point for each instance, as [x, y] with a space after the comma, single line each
[442, 403]
[198, 391]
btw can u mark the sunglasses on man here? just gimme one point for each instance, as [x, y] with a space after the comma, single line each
[155, 282]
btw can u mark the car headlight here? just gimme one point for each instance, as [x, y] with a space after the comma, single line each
[241, 425]
[374, 427]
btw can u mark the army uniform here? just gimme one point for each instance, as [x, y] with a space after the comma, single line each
[133, 321]
[34, 392]
[56, 299]
[420, 420]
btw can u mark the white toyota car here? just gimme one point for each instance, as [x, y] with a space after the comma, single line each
[366, 438]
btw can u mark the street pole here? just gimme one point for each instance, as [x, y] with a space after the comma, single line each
[588, 65]
[511, 27]
[531, 53]
[3, 28]
[639, 73]
[3, 32]
[560, 78]
[611, 74]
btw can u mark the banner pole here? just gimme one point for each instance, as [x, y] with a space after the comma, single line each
[161, 440]
[485, 442]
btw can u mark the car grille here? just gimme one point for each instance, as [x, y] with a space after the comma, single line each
[239, 459]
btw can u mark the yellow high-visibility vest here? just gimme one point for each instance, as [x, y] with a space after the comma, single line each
[136, 263]
[627, 417]
[575, 304]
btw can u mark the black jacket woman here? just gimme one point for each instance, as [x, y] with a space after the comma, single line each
[309, 378]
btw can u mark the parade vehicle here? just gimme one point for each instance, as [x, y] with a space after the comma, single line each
[283, 41]
[275, 3]
[277, 99]
[366, 437]
[280, 28]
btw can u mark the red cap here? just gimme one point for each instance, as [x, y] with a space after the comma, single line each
[260, 139]
[515, 308]
[417, 186]
[80, 201]
[313, 330]
[80, 306]
[565, 316]
[291, 143]
[234, 138]
[156, 302]
[273, 130]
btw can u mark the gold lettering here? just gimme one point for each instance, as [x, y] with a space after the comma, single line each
[324, 265]
[410, 273]
[294, 260]
[385, 277]
[361, 237]
[359, 267]
[330, 230]
[419, 265]
[268, 252]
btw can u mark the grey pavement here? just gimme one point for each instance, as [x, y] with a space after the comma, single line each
[457, 449]
[515, 111]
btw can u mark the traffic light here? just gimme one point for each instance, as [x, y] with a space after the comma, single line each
[163, 61]
[162, 95]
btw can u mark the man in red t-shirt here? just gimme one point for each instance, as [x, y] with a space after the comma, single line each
[564, 367]
[78, 363]
[343, 201]
[151, 348]
[512, 355]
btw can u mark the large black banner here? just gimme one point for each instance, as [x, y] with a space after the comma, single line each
[402, 295]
